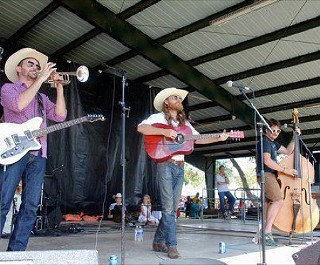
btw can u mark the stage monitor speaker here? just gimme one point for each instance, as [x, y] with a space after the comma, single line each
[50, 257]
[308, 255]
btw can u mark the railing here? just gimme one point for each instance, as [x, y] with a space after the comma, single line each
[245, 208]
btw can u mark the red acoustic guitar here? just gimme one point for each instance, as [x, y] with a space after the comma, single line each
[161, 148]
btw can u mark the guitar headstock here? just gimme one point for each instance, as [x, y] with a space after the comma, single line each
[95, 117]
[236, 134]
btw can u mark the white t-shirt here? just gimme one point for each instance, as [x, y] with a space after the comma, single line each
[112, 205]
[160, 118]
[223, 187]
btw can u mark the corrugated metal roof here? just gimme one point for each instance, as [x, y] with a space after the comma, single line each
[117, 6]
[208, 113]
[169, 15]
[57, 29]
[137, 66]
[97, 50]
[185, 31]
[14, 14]
[166, 81]
[287, 97]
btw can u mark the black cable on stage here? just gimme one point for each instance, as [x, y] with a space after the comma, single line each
[107, 162]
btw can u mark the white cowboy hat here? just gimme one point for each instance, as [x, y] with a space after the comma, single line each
[17, 57]
[165, 93]
[118, 195]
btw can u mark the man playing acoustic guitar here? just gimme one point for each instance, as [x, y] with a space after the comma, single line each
[27, 69]
[170, 172]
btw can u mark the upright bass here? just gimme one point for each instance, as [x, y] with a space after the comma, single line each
[299, 213]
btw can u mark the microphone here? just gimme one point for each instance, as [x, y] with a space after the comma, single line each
[106, 66]
[237, 85]
[286, 126]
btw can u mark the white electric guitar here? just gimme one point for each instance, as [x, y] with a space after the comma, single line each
[18, 139]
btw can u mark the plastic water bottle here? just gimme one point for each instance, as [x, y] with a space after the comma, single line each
[222, 247]
[113, 260]
[136, 233]
[140, 238]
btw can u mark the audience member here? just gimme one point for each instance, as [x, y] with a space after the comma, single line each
[115, 209]
[196, 206]
[146, 212]
[222, 182]
[188, 206]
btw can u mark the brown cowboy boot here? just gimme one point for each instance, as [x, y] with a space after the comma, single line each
[173, 253]
[160, 247]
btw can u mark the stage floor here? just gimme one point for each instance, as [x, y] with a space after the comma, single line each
[197, 239]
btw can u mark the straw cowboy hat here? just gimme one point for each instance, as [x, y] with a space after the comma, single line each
[17, 57]
[165, 93]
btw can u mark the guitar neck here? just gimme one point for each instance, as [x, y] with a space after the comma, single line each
[59, 126]
[202, 136]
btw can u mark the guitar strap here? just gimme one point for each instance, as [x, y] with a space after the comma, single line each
[40, 102]
[41, 109]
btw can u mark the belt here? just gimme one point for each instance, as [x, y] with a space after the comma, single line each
[177, 163]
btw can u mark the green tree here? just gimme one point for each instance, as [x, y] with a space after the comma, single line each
[246, 177]
[192, 176]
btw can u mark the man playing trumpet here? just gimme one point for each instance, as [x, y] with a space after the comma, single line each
[27, 69]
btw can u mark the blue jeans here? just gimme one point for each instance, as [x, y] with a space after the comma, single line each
[170, 179]
[231, 200]
[31, 170]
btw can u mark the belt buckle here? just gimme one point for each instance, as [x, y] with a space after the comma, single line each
[177, 163]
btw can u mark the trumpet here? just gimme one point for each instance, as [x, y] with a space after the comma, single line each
[82, 74]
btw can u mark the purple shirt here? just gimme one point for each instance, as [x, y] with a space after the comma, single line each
[9, 100]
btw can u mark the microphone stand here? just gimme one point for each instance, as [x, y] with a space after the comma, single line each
[262, 174]
[307, 149]
[309, 154]
[122, 103]
[123, 161]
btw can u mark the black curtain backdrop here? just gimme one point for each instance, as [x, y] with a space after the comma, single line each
[90, 152]
[83, 164]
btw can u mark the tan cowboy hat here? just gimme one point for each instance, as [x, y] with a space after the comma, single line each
[165, 93]
[17, 57]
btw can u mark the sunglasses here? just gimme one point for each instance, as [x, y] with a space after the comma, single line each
[31, 64]
[176, 98]
[276, 131]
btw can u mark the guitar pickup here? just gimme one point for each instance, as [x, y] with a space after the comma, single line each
[29, 135]
[9, 141]
[16, 139]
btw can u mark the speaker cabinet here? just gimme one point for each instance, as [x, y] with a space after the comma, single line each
[308, 255]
